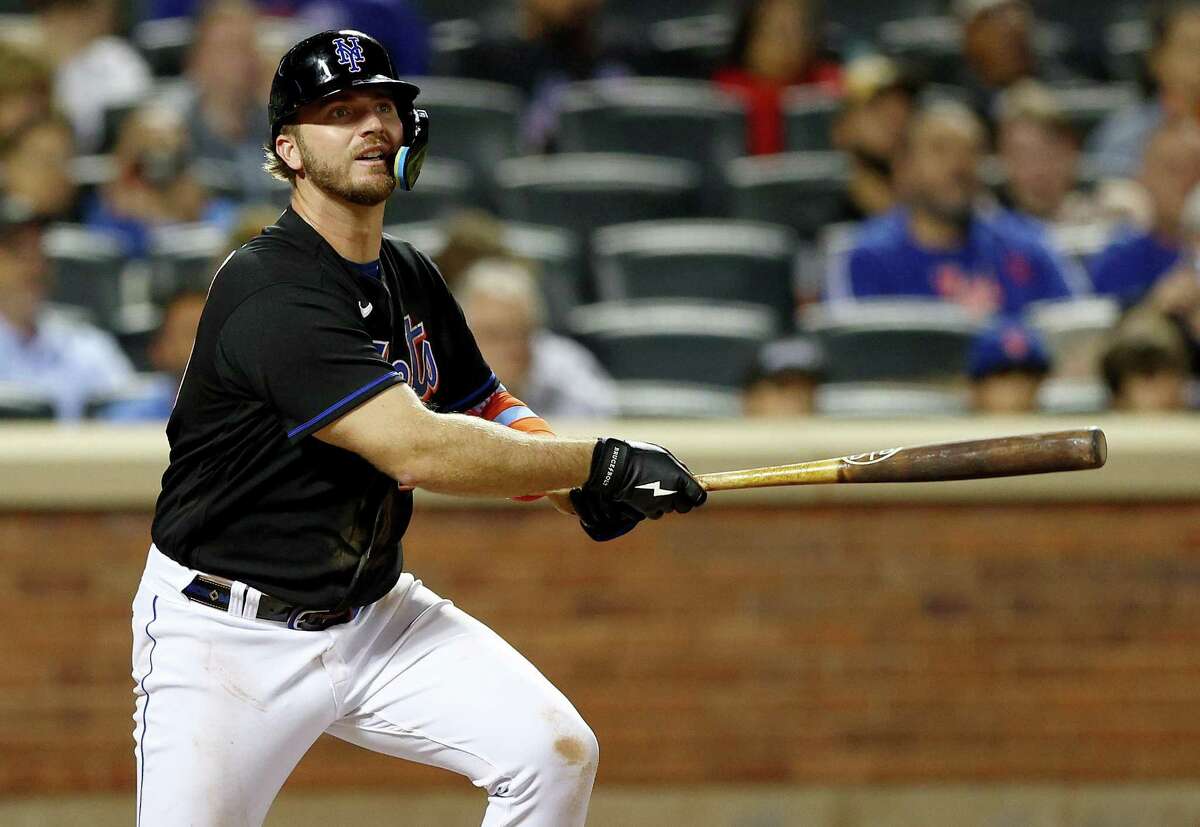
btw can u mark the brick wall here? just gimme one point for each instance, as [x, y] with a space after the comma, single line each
[835, 644]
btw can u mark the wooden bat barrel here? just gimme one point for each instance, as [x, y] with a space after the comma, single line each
[1008, 456]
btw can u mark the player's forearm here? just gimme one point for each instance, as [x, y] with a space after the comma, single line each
[455, 454]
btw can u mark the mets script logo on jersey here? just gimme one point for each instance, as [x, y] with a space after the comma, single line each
[871, 458]
[349, 53]
[423, 373]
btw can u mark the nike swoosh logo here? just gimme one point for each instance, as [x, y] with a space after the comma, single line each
[365, 309]
[656, 488]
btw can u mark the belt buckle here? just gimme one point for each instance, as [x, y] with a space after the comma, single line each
[299, 619]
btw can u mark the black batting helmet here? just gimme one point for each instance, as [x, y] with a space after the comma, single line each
[339, 60]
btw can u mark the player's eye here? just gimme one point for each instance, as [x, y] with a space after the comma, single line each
[385, 108]
[339, 112]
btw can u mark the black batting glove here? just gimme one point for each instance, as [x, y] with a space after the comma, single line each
[645, 477]
[603, 519]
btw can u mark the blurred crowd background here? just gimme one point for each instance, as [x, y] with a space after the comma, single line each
[684, 208]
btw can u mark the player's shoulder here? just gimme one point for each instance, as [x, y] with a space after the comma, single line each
[410, 260]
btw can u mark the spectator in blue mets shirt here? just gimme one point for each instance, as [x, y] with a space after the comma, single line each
[1136, 262]
[939, 244]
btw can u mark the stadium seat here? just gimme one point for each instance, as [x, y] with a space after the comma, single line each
[583, 191]
[475, 123]
[803, 190]
[931, 46]
[696, 258]
[885, 400]
[859, 21]
[892, 339]
[445, 186]
[808, 120]
[562, 274]
[1075, 331]
[438, 10]
[695, 342]
[669, 117]
[1086, 106]
[184, 256]
[676, 400]
[87, 269]
[642, 11]
[18, 402]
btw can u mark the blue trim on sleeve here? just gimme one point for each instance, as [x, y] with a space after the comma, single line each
[343, 401]
[475, 397]
[510, 415]
[146, 709]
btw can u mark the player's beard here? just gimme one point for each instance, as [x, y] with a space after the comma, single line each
[329, 178]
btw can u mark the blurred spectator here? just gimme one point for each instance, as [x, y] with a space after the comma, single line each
[225, 117]
[776, 45]
[557, 42]
[1006, 364]
[784, 379]
[61, 357]
[998, 51]
[940, 244]
[153, 183]
[877, 107]
[471, 235]
[553, 375]
[397, 24]
[169, 353]
[1174, 69]
[35, 166]
[1133, 263]
[248, 223]
[1039, 152]
[1146, 364]
[26, 83]
[94, 69]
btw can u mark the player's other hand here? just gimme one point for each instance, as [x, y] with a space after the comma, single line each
[647, 478]
[603, 519]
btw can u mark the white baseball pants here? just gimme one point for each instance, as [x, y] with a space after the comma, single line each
[227, 705]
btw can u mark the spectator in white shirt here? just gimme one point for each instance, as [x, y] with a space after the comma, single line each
[58, 357]
[94, 69]
[553, 375]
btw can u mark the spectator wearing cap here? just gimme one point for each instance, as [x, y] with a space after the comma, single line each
[59, 357]
[555, 376]
[998, 51]
[784, 379]
[776, 45]
[1006, 365]
[938, 243]
[94, 69]
[35, 166]
[169, 352]
[877, 105]
[1146, 364]
[1137, 260]
[154, 185]
[1174, 73]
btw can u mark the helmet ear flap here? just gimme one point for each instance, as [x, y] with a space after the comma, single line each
[409, 160]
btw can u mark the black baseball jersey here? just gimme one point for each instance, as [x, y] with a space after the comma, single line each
[292, 337]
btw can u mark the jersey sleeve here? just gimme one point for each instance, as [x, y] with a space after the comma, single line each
[466, 378]
[302, 351]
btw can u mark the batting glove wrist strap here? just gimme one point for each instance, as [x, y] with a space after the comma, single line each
[645, 477]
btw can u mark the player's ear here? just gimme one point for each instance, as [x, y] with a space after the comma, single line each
[288, 148]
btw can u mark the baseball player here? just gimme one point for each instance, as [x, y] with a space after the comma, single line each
[332, 374]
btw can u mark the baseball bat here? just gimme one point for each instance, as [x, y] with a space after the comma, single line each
[1006, 456]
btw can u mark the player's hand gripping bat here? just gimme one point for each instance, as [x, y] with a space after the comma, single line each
[998, 457]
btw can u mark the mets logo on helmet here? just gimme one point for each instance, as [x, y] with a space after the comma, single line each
[349, 53]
